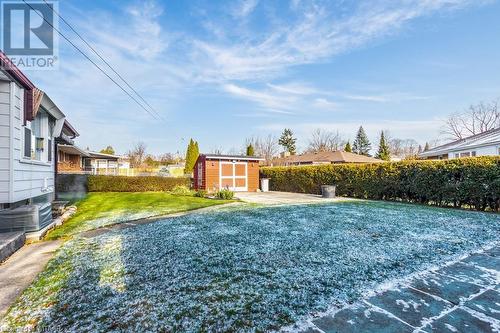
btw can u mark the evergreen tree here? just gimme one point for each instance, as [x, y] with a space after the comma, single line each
[192, 153]
[361, 144]
[383, 148]
[250, 150]
[196, 152]
[427, 147]
[288, 141]
[347, 147]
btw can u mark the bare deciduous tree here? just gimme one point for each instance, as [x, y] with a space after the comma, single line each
[266, 147]
[403, 148]
[137, 155]
[477, 119]
[322, 140]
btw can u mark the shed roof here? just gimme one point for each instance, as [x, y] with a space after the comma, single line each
[326, 157]
[231, 157]
[490, 137]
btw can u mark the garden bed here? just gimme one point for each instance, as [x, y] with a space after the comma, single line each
[242, 269]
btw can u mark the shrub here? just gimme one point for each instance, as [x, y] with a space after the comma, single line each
[466, 182]
[224, 194]
[181, 190]
[134, 184]
[200, 194]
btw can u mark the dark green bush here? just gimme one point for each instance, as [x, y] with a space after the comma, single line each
[467, 182]
[200, 193]
[135, 184]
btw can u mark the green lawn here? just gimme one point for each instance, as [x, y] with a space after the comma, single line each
[101, 209]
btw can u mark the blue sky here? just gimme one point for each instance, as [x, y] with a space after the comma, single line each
[223, 71]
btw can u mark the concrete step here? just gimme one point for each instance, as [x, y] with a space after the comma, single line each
[10, 242]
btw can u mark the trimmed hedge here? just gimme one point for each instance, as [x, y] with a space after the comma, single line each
[467, 182]
[135, 184]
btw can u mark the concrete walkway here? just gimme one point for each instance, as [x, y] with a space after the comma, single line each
[283, 198]
[19, 271]
[462, 297]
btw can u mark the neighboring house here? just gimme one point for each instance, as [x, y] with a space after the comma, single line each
[483, 144]
[30, 123]
[237, 173]
[70, 159]
[326, 157]
[101, 164]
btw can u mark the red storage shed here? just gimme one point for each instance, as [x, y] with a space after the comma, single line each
[237, 173]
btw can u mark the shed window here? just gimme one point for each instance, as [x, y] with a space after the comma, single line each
[200, 174]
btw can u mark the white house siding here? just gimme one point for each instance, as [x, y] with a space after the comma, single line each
[4, 139]
[480, 151]
[31, 178]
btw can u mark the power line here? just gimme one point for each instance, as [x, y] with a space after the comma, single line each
[88, 58]
[102, 58]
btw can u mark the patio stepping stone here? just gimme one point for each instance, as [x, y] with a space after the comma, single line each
[445, 287]
[410, 305]
[483, 260]
[470, 274]
[361, 318]
[487, 303]
[460, 321]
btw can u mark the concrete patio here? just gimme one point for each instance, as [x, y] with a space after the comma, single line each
[462, 297]
[283, 198]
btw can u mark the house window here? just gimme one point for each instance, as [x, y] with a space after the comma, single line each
[37, 137]
[102, 164]
[466, 154]
[457, 155]
[37, 140]
[49, 150]
[474, 153]
[27, 142]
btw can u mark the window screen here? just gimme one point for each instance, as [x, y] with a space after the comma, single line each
[49, 150]
[27, 142]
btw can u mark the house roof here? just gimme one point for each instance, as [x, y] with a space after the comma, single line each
[103, 156]
[326, 157]
[69, 130]
[487, 138]
[231, 157]
[12, 70]
[72, 150]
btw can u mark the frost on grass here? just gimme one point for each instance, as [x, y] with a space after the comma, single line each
[241, 270]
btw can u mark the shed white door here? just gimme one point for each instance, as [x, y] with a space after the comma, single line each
[233, 175]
